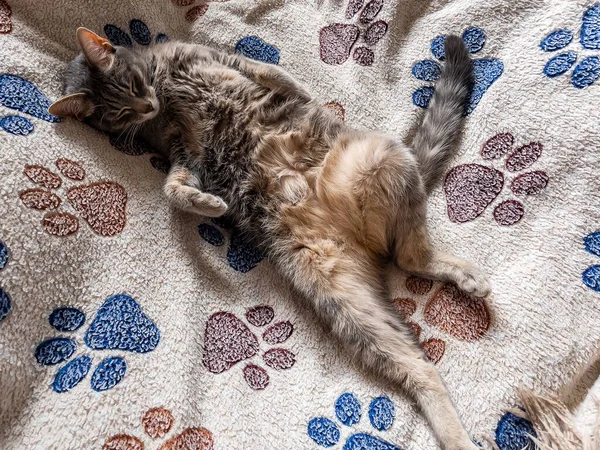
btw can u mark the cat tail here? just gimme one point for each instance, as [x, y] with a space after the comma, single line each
[443, 120]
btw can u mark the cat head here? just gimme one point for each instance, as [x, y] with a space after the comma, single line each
[109, 87]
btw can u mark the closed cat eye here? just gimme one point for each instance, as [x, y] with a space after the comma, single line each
[133, 91]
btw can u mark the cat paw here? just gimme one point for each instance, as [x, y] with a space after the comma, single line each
[473, 281]
[208, 205]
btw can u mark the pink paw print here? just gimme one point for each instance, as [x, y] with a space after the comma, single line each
[197, 11]
[471, 188]
[448, 309]
[228, 341]
[337, 40]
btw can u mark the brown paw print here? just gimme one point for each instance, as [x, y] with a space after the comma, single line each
[228, 340]
[197, 11]
[338, 39]
[471, 188]
[5, 21]
[337, 109]
[449, 310]
[157, 422]
[101, 205]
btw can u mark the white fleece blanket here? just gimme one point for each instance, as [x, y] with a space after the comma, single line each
[127, 325]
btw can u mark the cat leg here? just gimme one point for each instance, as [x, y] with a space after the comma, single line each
[271, 76]
[415, 255]
[182, 194]
[345, 292]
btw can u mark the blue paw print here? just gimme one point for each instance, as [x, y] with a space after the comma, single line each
[326, 433]
[5, 302]
[119, 324]
[138, 30]
[24, 96]
[486, 70]
[591, 276]
[255, 48]
[513, 433]
[588, 70]
[241, 255]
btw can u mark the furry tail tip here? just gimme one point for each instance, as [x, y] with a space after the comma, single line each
[442, 121]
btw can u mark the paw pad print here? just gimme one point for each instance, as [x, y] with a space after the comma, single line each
[485, 70]
[449, 310]
[19, 94]
[514, 433]
[5, 301]
[337, 40]
[5, 21]
[471, 188]
[337, 109]
[157, 423]
[138, 30]
[241, 255]
[101, 205]
[326, 433]
[591, 276]
[195, 12]
[588, 69]
[119, 324]
[136, 147]
[228, 341]
[255, 48]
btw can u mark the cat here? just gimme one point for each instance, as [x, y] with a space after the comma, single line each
[329, 205]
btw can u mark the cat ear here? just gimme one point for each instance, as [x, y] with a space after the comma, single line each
[97, 50]
[74, 105]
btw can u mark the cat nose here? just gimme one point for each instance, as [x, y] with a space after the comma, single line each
[143, 106]
[147, 107]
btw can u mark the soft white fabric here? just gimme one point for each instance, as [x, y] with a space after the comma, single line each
[545, 322]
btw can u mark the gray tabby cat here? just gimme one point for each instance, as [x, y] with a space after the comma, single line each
[328, 204]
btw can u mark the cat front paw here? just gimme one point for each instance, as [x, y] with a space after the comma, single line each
[208, 205]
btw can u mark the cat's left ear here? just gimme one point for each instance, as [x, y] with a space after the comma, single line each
[97, 50]
[78, 106]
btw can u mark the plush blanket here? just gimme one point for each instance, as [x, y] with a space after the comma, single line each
[125, 324]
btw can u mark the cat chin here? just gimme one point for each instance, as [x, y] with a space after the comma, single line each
[150, 115]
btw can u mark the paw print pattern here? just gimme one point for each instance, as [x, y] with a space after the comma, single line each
[5, 21]
[255, 48]
[337, 40]
[241, 255]
[228, 340]
[486, 70]
[22, 95]
[337, 109]
[157, 422]
[195, 12]
[136, 147]
[5, 301]
[513, 433]
[119, 324]
[588, 69]
[138, 30]
[326, 433]
[471, 188]
[101, 205]
[591, 276]
[449, 310]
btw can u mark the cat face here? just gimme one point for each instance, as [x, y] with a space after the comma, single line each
[109, 87]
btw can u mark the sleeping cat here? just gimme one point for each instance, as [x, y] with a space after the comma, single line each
[328, 204]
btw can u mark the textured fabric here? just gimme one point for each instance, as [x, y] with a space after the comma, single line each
[126, 324]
